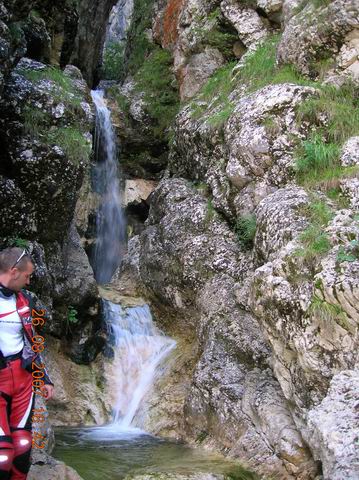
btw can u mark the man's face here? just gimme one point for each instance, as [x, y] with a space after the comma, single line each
[20, 278]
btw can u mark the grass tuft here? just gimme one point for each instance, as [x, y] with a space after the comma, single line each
[315, 241]
[328, 312]
[245, 229]
[335, 117]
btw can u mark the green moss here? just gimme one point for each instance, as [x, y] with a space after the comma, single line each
[350, 253]
[35, 120]
[69, 138]
[239, 473]
[121, 101]
[66, 91]
[113, 58]
[71, 141]
[271, 126]
[221, 40]
[209, 212]
[156, 80]
[16, 33]
[201, 436]
[245, 229]
[219, 118]
[35, 14]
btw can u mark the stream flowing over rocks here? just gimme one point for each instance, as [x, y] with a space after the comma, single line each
[237, 125]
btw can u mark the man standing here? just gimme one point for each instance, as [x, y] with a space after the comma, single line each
[17, 354]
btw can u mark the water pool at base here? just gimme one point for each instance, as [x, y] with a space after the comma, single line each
[104, 453]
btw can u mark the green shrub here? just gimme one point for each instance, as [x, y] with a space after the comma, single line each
[112, 65]
[155, 79]
[71, 318]
[18, 242]
[245, 229]
[72, 314]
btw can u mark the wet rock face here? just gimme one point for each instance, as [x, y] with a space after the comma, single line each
[12, 42]
[119, 21]
[143, 153]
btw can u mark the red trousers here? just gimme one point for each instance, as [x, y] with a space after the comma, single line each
[16, 404]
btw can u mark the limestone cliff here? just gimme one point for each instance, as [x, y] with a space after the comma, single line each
[251, 243]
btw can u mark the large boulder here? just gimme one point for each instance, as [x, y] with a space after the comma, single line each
[319, 32]
[249, 156]
[189, 260]
[334, 426]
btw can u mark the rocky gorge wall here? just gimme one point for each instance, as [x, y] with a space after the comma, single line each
[250, 246]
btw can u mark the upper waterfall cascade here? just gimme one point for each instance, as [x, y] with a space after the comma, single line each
[110, 221]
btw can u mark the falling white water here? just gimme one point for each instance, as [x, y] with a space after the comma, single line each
[110, 221]
[140, 348]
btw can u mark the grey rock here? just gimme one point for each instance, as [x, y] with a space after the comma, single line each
[334, 428]
[279, 219]
[119, 21]
[197, 71]
[56, 471]
[350, 152]
[249, 25]
[315, 32]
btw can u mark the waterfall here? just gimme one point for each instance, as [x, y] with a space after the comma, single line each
[140, 347]
[110, 221]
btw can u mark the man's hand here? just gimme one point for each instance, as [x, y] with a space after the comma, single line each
[48, 391]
